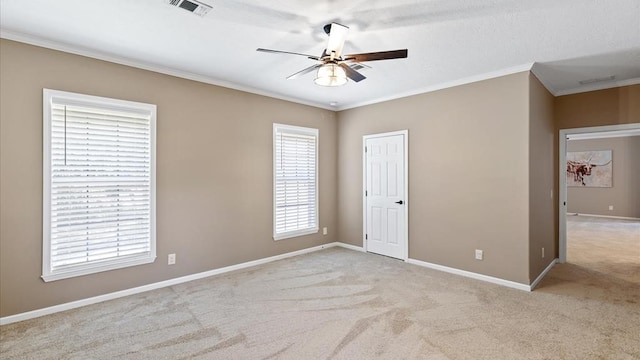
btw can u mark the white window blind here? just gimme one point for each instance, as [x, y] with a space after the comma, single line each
[99, 184]
[295, 181]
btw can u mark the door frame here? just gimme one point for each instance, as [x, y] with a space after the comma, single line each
[562, 198]
[405, 133]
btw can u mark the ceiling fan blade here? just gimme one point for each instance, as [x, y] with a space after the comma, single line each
[381, 55]
[312, 57]
[304, 71]
[337, 36]
[352, 74]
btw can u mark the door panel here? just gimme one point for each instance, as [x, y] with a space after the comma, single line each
[376, 173]
[392, 180]
[385, 216]
[392, 226]
[376, 223]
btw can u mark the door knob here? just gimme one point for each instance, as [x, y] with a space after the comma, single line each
[400, 202]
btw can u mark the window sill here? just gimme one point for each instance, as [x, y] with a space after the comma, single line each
[295, 234]
[96, 268]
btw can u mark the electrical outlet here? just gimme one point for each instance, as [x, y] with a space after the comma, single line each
[610, 207]
[171, 259]
[479, 254]
[324, 230]
[543, 252]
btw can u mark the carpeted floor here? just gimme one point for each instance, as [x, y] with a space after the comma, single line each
[342, 304]
[607, 246]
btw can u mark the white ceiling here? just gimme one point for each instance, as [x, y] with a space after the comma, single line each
[450, 42]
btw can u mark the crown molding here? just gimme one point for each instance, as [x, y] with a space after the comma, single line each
[90, 53]
[598, 86]
[446, 85]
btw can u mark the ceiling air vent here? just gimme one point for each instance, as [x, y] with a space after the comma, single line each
[597, 80]
[196, 7]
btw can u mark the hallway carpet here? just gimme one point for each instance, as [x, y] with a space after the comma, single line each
[607, 246]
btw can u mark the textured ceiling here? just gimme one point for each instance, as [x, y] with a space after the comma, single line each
[450, 41]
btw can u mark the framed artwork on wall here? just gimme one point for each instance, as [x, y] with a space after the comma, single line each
[590, 168]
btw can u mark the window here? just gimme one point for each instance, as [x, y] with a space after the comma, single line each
[99, 184]
[295, 181]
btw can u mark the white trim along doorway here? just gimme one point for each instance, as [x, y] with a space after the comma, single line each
[580, 133]
[385, 189]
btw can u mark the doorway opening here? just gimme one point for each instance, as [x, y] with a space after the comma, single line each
[599, 224]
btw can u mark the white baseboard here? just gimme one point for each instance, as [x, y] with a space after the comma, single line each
[543, 274]
[350, 247]
[469, 274]
[605, 216]
[118, 294]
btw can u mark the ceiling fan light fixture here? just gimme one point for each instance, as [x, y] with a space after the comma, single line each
[331, 75]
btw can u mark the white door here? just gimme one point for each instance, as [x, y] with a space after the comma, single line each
[385, 201]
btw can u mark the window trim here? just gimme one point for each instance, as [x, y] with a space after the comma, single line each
[49, 96]
[306, 131]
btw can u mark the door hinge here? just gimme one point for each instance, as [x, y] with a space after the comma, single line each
[365, 149]
[366, 193]
[366, 236]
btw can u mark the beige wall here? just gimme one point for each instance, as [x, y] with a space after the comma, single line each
[214, 173]
[625, 193]
[598, 108]
[542, 197]
[468, 173]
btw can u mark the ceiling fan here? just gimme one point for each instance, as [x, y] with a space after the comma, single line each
[333, 67]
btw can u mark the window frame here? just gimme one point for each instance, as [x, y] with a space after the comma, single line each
[305, 131]
[49, 96]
